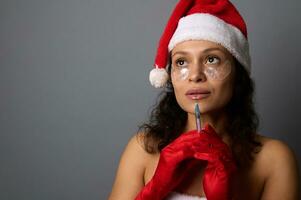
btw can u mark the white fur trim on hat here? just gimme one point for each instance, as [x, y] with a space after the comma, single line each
[158, 77]
[208, 27]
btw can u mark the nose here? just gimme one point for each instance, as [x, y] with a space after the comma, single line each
[197, 73]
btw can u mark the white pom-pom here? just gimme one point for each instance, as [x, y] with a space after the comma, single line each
[158, 77]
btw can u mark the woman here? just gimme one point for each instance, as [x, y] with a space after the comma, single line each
[205, 51]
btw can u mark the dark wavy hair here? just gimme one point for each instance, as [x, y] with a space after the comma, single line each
[167, 119]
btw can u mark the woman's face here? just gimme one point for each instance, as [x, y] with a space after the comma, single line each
[202, 72]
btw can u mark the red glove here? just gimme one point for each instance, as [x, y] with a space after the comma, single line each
[220, 167]
[175, 160]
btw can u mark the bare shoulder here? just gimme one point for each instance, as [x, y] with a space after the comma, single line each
[129, 177]
[275, 151]
[278, 161]
[134, 153]
[136, 147]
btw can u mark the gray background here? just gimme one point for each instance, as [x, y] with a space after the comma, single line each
[74, 86]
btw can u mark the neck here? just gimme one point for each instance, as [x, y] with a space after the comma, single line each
[217, 120]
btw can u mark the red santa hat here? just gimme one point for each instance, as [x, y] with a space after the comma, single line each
[213, 20]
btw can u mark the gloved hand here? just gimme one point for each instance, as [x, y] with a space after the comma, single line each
[220, 167]
[177, 160]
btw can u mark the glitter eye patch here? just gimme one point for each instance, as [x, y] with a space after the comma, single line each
[213, 72]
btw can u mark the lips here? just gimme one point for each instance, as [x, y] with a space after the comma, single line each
[196, 94]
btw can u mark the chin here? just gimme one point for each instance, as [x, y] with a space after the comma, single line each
[189, 107]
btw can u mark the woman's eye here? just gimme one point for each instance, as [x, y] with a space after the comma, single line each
[213, 60]
[180, 62]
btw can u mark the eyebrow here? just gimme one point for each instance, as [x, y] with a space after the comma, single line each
[205, 51]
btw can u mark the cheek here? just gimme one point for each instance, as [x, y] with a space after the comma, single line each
[223, 94]
[180, 74]
[180, 89]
